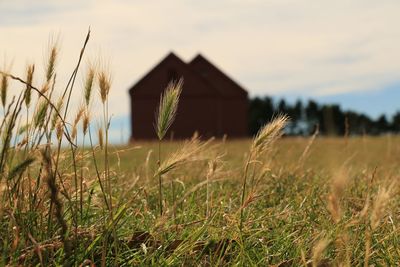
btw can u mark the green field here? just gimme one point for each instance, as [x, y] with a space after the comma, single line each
[331, 196]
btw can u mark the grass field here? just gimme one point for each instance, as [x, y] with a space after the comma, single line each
[327, 200]
[266, 201]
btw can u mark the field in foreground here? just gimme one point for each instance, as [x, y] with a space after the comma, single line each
[330, 202]
[66, 200]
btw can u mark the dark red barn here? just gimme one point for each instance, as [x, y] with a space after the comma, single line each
[211, 103]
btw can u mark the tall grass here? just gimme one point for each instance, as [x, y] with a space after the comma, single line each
[70, 198]
[164, 118]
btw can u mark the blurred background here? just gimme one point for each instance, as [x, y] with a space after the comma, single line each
[342, 55]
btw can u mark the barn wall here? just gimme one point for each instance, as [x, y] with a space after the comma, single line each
[202, 108]
[234, 117]
[194, 114]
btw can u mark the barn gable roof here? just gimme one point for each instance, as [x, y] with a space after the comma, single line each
[201, 77]
[218, 79]
[194, 84]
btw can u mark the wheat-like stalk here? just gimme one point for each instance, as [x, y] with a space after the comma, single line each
[190, 151]
[168, 107]
[29, 79]
[379, 206]
[3, 89]
[268, 134]
[89, 84]
[104, 81]
[338, 186]
[263, 141]
[51, 63]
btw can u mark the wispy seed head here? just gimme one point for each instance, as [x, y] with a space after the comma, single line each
[85, 122]
[89, 84]
[168, 107]
[29, 78]
[104, 80]
[59, 130]
[51, 62]
[79, 115]
[3, 89]
[318, 251]
[41, 114]
[45, 88]
[101, 139]
[268, 134]
[380, 204]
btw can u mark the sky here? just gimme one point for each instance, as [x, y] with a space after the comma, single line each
[343, 51]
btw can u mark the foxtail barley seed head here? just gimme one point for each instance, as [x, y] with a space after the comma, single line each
[85, 121]
[268, 134]
[29, 78]
[380, 204]
[168, 107]
[3, 89]
[318, 250]
[337, 188]
[79, 115]
[59, 130]
[45, 88]
[74, 132]
[89, 84]
[41, 114]
[190, 151]
[101, 139]
[51, 63]
[104, 80]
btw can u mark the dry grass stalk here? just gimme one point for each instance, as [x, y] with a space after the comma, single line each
[78, 117]
[85, 121]
[50, 178]
[101, 138]
[268, 134]
[307, 149]
[379, 207]
[318, 251]
[59, 130]
[40, 115]
[190, 151]
[337, 189]
[55, 118]
[263, 141]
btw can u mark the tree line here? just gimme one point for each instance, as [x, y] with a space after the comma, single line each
[330, 119]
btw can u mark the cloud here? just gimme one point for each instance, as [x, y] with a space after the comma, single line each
[309, 48]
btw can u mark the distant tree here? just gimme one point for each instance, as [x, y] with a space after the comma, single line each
[332, 120]
[382, 124]
[282, 107]
[312, 111]
[260, 112]
[298, 113]
[312, 115]
[396, 122]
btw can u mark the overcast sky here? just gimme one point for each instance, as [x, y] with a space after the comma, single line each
[346, 51]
